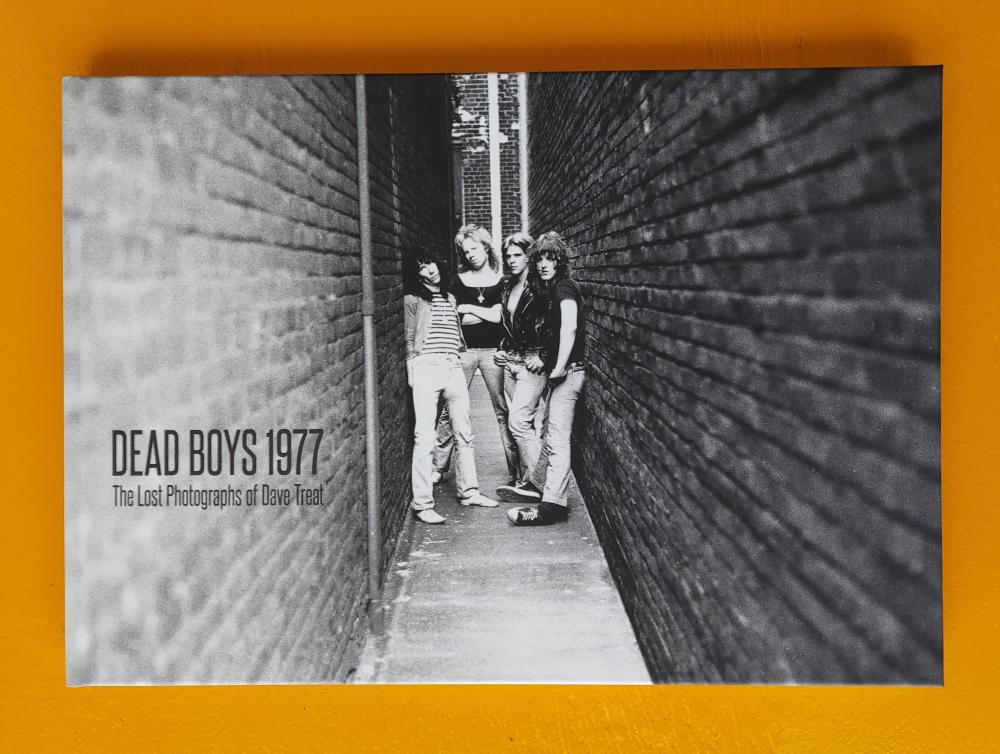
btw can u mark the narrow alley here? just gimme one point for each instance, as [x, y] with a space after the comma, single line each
[478, 600]
[758, 438]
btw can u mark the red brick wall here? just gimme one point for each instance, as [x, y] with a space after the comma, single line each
[759, 435]
[212, 279]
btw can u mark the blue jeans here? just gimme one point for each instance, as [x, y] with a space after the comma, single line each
[481, 359]
[437, 376]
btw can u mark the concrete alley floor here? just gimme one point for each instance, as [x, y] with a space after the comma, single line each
[478, 600]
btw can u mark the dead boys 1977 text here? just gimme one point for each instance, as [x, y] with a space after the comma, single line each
[139, 452]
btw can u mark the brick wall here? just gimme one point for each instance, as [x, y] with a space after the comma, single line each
[759, 435]
[212, 279]
[410, 170]
[470, 133]
[510, 157]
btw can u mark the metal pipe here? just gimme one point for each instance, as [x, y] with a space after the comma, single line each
[374, 604]
[493, 109]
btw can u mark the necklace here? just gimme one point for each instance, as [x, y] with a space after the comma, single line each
[480, 289]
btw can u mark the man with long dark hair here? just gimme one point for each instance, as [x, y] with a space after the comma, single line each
[434, 340]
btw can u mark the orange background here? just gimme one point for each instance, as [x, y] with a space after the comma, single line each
[43, 41]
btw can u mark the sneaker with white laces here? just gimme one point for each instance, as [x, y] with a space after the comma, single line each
[514, 492]
[479, 499]
[523, 516]
[429, 516]
[542, 514]
[435, 477]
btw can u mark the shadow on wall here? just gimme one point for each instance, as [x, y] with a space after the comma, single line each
[759, 442]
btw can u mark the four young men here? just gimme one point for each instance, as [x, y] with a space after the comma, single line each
[541, 354]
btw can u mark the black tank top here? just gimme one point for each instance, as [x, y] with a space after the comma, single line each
[481, 334]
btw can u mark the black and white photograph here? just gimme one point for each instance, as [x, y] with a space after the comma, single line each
[581, 378]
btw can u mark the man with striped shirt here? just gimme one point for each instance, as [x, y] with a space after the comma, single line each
[433, 370]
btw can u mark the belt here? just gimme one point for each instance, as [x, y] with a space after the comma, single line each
[522, 355]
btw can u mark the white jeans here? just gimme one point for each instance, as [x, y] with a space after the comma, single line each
[436, 376]
[551, 472]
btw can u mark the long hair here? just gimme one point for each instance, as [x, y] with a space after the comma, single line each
[552, 246]
[413, 257]
[476, 233]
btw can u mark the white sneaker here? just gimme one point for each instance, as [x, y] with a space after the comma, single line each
[478, 499]
[435, 477]
[430, 516]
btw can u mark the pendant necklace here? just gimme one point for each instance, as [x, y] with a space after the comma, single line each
[480, 294]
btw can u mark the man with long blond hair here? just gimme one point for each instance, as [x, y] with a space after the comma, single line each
[477, 289]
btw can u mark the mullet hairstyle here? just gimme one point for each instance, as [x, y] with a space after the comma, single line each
[476, 233]
[413, 257]
[552, 246]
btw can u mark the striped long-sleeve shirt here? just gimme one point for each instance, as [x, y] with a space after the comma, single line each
[443, 334]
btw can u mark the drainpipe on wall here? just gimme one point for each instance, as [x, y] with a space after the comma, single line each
[374, 604]
[496, 208]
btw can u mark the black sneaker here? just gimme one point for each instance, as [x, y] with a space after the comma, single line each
[515, 493]
[542, 514]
